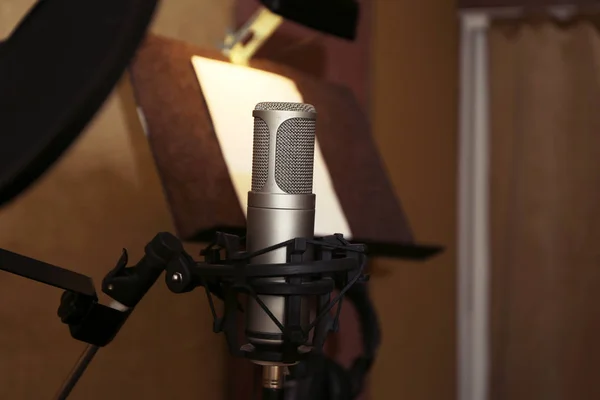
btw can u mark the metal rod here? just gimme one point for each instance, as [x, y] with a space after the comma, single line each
[77, 371]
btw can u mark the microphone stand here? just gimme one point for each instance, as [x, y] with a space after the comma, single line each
[126, 286]
[89, 321]
[77, 372]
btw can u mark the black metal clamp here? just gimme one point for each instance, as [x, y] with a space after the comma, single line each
[98, 324]
[88, 320]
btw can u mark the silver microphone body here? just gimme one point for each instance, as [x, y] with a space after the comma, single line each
[281, 205]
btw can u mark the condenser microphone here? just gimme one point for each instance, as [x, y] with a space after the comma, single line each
[281, 205]
[288, 275]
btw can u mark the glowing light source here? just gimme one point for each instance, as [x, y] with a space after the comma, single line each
[231, 93]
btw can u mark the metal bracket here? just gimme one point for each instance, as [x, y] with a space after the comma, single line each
[241, 46]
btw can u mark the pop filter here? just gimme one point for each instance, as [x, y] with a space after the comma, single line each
[56, 69]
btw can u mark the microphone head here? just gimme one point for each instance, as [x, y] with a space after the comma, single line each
[285, 106]
[284, 147]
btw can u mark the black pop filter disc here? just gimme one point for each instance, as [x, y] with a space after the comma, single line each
[56, 69]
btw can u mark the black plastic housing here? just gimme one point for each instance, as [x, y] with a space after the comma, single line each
[335, 17]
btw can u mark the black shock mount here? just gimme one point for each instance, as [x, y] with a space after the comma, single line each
[314, 269]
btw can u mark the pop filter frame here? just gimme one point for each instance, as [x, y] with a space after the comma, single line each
[56, 70]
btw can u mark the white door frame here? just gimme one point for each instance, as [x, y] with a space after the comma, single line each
[473, 233]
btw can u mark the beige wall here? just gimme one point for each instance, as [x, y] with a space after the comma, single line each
[102, 196]
[414, 115]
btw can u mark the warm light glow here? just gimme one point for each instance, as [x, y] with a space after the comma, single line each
[231, 93]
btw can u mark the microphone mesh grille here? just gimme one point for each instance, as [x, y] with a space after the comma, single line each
[260, 154]
[283, 106]
[294, 155]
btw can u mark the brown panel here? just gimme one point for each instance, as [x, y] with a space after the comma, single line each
[196, 181]
[524, 3]
[414, 109]
[185, 148]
